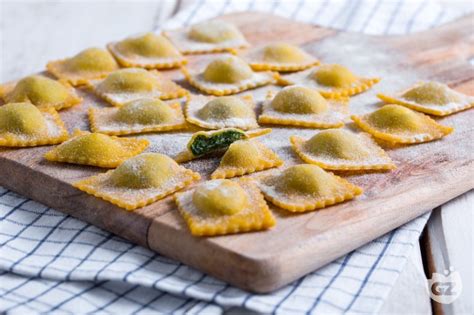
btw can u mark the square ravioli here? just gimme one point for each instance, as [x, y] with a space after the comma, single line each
[331, 80]
[245, 157]
[221, 112]
[222, 206]
[432, 98]
[96, 149]
[204, 143]
[24, 125]
[139, 181]
[40, 91]
[148, 50]
[398, 124]
[339, 149]
[140, 116]
[131, 84]
[306, 187]
[303, 107]
[228, 75]
[279, 57]
[208, 37]
[90, 64]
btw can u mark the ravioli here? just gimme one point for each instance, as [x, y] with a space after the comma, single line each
[432, 98]
[25, 125]
[339, 149]
[208, 37]
[222, 206]
[398, 124]
[126, 85]
[90, 64]
[222, 112]
[305, 107]
[331, 80]
[40, 91]
[96, 149]
[140, 116]
[139, 181]
[245, 157]
[148, 50]
[228, 75]
[279, 57]
[208, 142]
[306, 187]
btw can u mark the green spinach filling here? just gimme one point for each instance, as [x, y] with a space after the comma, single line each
[204, 144]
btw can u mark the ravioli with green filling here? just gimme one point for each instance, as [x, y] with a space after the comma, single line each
[204, 143]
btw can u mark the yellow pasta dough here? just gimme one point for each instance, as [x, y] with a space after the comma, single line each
[228, 75]
[126, 85]
[306, 187]
[40, 91]
[92, 63]
[305, 107]
[222, 112]
[279, 57]
[245, 157]
[148, 50]
[223, 206]
[331, 80]
[139, 181]
[25, 125]
[208, 37]
[339, 149]
[398, 124]
[96, 149]
[208, 142]
[432, 98]
[140, 116]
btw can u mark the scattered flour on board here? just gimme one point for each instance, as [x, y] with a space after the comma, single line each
[366, 58]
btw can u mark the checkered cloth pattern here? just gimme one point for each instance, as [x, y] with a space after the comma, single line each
[51, 262]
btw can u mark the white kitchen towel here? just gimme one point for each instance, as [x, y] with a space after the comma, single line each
[51, 262]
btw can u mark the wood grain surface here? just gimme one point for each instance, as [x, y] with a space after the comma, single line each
[428, 174]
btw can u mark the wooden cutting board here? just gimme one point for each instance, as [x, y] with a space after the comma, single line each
[427, 176]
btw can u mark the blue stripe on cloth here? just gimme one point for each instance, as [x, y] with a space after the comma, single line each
[12, 267]
[371, 15]
[351, 14]
[392, 17]
[43, 247]
[86, 257]
[413, 18]
[331, 281]
[372, 268]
